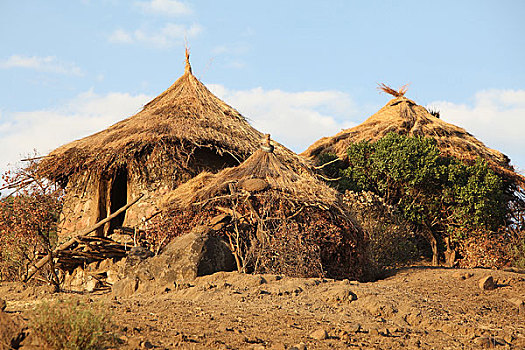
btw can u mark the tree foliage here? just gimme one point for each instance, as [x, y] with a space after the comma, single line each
[28, 221]
[433, 193]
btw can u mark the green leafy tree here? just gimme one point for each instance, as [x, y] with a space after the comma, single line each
[440, 196]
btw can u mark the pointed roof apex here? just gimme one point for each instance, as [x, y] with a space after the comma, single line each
[187, 69]
[396, 93]
[267, 144]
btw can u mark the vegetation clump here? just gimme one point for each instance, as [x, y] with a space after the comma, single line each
[71, 326]
[29, 218]
[441, 197]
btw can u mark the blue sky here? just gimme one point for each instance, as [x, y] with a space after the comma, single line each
[297, 69]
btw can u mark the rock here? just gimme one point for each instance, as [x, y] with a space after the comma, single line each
[487, 283]
[300, 346]
[75, 280]
[377, 307]
[113, 277]
[147, 345]
[3, 304]
[186, 257]
[520, 304]
[254, 185]
[125, 287]
[339, 294]
[105, 265]
[319, 334]
[373, 332]
[464, 275]
[91, 284]
[136, 255]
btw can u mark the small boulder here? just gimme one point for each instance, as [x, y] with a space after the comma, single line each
[91, 284]
[186, 257]
[487, 283]
[320, 334]
[300, 346]
[125, 287]
[520, 304]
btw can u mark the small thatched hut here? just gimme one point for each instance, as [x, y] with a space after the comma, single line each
[180, 133]
[403, 116]
[275, 220]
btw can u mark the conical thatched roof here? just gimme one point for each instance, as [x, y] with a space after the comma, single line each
[290, 223]
[184, 117]
[403, 116]
[260, 165]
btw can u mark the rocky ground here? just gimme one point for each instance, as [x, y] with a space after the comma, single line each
[415, 308]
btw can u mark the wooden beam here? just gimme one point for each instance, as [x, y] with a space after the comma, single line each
[75, 237]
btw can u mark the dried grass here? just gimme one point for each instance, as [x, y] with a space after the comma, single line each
[296, 225]
[405, 117]
[396, 93]
[184, 118]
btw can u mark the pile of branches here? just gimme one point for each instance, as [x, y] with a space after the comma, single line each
[272, 232]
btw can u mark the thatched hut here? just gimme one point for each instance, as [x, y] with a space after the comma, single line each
[403, 116]
[176, 136]
[275, 220]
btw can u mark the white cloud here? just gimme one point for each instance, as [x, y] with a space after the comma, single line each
[296, 119]
[121, 36]
[164, 7]
[169, 35]
[43, 64]
[44, 130]
[497, 117]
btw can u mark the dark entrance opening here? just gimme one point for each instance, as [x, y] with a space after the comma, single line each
[118, 197]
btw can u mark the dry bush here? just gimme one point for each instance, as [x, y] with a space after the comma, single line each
[493, 249]
[72, 326]
[272, 234]
[29, 216]
[391, 240]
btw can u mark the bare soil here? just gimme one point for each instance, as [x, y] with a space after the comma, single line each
[415, 308]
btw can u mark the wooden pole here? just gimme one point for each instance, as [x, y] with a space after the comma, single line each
[75, 237]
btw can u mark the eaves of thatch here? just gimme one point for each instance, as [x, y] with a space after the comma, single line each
[183, 118]
[403, 116]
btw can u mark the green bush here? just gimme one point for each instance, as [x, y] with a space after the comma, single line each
[439, 196]
[71, 326]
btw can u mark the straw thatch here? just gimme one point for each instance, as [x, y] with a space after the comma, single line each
[178, 124]
[403, 116]
[276, 220]
[176, 136]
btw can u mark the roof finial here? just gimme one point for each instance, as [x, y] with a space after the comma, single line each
[266, 144]
[187, 69]
[399, 93]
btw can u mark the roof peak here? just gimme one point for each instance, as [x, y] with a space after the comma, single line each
[396, 93]
[187, 68]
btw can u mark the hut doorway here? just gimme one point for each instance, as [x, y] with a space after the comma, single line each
[118, 197]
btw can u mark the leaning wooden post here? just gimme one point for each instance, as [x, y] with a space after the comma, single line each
[75, 237]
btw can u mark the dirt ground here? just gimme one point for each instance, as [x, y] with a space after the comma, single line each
[415, 308]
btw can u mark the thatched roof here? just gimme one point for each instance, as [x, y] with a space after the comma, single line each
[309, 230]
[184, 117]
[260, 165]
[403, 116]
